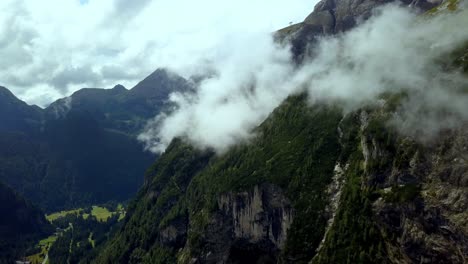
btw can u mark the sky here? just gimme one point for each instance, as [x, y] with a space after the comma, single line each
[51, 48]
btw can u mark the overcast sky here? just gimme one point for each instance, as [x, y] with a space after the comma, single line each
[51, 48]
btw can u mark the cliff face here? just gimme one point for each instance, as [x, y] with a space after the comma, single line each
[430, 228]
[412, 195]
[248, 226]
[336, 16]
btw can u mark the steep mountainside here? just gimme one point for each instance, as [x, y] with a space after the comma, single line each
[82, 149]
[16, 115]
[316, 185]
[20, 225]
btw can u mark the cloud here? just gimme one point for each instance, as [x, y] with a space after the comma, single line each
[249, 79]
[128, 9]
[394, 51]
[50, 48]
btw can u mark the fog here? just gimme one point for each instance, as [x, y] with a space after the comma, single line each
[396, 50]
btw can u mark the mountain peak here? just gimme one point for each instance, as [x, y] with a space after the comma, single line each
[119, 88]
[4, 92]
[160, 84]
[157, 75]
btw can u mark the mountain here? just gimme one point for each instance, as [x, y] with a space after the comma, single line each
[15, 114]
[316, 185]
[21, 225]
[334, 17]
[82, 149]
[121, 109]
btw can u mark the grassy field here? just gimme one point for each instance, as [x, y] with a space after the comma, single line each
[91, 240]
[45, 245]
[55, 216]
[101, 213]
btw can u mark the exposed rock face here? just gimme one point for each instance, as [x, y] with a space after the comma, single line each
[248, 226]
[334, 192]
[424, 208]
[175, 234]
[335, 16]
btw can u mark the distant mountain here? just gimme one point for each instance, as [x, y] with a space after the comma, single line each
[81, 149]
[21, 225]
[16, 115]
[121, 109]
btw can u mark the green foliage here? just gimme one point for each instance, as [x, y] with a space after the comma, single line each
[79, 239]
[160, 255]
[74, 162]
[461, 58]
[157, 205]
[354, 237]
[84, 150]
[403, 194]
[393, 100]
[448, 5]
[296, 149]
[54, 216]
[21, 226]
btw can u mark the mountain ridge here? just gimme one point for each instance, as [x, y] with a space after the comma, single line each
[84, 146]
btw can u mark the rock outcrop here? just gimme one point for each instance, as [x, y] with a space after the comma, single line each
[249, 226]
[335, 16]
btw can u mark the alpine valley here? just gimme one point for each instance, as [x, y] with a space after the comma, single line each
[318, 181]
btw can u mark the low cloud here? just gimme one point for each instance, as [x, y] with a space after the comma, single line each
[251, 78]
[394, 51]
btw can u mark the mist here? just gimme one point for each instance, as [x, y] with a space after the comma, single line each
[396, 50]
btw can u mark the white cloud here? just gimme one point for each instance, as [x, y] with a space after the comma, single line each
[49, 48]
[393, 51]
[251, 77]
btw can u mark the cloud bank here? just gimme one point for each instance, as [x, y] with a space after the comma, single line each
[395, 50]
[51, 48]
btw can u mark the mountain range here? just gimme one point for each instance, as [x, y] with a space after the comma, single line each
[315, 184]
[81, 149]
